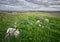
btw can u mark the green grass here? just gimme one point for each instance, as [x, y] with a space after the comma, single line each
[29, 30]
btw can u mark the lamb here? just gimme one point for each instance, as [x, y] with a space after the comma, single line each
[38, 21]
[12, 32]
[47, 20]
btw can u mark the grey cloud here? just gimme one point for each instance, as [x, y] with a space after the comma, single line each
[30, 5]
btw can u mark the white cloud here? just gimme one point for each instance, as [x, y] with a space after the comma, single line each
[31, 5]
[37, 0]
[45, 0]
[28, 4]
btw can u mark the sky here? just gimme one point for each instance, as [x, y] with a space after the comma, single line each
[26, 5]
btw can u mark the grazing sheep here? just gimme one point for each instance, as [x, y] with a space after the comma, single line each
[38, 21]
[43, 26]
[47, 20]
[40, 25]
[12, 32]
[16, 33]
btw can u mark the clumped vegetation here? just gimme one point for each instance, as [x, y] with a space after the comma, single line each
[47, 29]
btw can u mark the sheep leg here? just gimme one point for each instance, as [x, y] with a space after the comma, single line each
[7, 36]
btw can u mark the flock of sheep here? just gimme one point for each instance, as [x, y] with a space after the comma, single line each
[15, 32]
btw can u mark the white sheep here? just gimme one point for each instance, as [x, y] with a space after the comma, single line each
[40, 25]
[47, 20]
[43, 26]
[38, 21]
[12, 32]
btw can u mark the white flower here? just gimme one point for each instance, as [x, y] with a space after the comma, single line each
[47, 20]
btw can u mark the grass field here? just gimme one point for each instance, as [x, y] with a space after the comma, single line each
[44, 31]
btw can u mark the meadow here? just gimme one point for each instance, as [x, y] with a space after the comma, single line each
[31, 30]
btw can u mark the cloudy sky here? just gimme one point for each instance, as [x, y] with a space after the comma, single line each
[45, 5]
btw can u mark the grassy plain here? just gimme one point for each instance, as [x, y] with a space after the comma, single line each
[29, 30]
